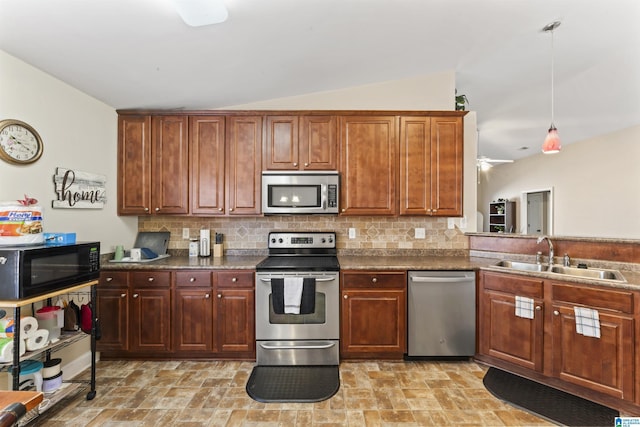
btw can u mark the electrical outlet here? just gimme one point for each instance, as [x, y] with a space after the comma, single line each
[420, 233]
[185, 233]
[352, 233]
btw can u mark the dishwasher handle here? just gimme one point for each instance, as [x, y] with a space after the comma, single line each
[437, 279]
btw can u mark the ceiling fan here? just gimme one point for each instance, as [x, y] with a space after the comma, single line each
[485, 163]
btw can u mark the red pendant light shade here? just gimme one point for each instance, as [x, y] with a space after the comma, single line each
[551, 143]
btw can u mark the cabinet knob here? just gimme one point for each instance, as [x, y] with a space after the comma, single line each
[136, 295]
[157, 209]
[428, 210]
[123, 295]
[374, 280]
[192, 279]
[219, 295]
[150, 279]
[108, 279]
[146, 209]
[234, 279]
[538, 308]
[207, 296]
[346, 296]
[306, 164]
[220, 209]
[230, 209]
[556, 313]
[295, 164]
[343, 210]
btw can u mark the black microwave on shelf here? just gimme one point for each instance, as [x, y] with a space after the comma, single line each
[28, 271]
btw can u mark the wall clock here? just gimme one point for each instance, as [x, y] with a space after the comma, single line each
[20, 144]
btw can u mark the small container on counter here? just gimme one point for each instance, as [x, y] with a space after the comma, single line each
[194, 247]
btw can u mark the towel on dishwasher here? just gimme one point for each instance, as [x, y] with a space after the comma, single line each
[307, 301]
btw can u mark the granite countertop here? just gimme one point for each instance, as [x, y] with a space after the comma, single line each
[362, 262]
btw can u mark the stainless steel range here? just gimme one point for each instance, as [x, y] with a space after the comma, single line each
[298, 328]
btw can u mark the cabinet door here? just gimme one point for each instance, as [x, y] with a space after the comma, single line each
[235, 321]
[373, 323]
[244, 165]
[447, 163]
[368, 163]
[415, 166]
[112, 313]
[206, 151]
[170, 165]
[502, 334]
[281, 143]
[318, 147]
[150, 320]
[602, 364]
[193, 315]
[134, 165]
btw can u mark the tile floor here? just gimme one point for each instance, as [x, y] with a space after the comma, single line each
[374, 393]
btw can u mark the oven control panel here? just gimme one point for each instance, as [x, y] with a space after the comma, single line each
[297, 240]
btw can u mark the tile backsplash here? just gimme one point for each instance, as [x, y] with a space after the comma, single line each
[377, 233]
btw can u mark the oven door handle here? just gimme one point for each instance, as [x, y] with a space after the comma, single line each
[318, 279]
[297, 346]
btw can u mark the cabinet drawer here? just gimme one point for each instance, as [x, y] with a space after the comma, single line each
[151, 278]
[114, 279]
[374, 280]
[236, 279]
[513, 284]
[617, 300]
[193, 278]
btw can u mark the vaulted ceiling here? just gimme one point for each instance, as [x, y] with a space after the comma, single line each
[140, 54]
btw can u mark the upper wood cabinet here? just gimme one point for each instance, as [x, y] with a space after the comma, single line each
[207, 164]
[134, 165]
[170, 165]
[369, 165]
[153, 165]
[300, 143]
[244, 165]
[431, 165]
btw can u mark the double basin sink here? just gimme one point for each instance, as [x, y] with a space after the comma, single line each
[588, 273]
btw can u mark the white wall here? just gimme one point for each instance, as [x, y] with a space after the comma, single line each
[595, 184]
[79, 133]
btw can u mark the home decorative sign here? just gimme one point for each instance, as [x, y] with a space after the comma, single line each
[79, 190]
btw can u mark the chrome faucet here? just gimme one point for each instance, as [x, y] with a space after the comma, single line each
[540, 239]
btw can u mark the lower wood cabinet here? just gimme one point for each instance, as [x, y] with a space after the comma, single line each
[177, 314]
[374, 316]
[548, 348]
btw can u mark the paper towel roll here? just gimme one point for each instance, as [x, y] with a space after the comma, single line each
[28, 327]
[6, 349]
[38, 340]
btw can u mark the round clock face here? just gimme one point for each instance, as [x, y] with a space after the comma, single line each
[19, 142]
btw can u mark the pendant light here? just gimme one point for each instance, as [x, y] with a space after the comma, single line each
[552, 141]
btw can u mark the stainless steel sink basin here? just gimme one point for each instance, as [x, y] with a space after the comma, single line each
[517, 265]
[592, 273]
[588, 273]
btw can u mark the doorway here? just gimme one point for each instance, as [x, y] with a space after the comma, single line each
[537, 212]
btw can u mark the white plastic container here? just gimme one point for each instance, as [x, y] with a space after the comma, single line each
[51, 318]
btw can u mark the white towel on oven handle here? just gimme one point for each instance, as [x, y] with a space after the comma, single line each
[292, 294]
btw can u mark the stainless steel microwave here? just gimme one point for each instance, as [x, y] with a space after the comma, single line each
[27, 271]
[295, 193]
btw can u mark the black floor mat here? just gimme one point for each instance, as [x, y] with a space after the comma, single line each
[293, 383]
[547, 402]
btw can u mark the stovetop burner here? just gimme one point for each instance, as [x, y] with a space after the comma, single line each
[301, 251]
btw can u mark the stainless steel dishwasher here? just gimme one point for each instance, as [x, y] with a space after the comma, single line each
[441, 313]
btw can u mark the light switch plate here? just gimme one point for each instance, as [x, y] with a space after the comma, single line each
[352, 233]
[420, 233]
[185, 233]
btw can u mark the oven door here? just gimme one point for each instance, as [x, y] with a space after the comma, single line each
[301, 339]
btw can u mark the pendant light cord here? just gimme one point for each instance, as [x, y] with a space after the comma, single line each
[552, 80]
